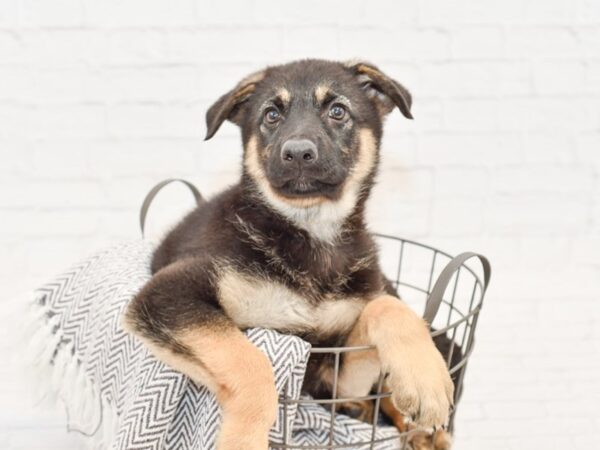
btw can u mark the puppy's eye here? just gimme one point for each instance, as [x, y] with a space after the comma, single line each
[272, 115]
[337, 112]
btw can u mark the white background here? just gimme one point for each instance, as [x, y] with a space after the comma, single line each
[100, 99]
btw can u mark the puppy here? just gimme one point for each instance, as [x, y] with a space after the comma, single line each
[287, 248]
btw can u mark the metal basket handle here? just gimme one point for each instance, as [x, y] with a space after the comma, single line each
[156, 189]
[437, 293]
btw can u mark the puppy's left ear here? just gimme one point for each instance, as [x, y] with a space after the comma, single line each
[228, 106]
[381, 89]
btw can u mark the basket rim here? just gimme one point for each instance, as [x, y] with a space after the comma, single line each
[429, 247]
[463, 316]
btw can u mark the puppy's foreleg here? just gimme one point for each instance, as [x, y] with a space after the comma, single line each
[418, 376]
[177, 317]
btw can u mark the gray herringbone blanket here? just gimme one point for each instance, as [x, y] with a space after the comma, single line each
[117, 393]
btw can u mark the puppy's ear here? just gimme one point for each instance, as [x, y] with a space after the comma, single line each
[381, 89]
[228, 106]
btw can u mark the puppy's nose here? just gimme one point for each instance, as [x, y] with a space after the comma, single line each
[299, 151]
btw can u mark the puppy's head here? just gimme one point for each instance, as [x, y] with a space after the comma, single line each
[311, 129]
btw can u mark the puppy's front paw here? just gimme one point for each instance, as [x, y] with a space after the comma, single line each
[439, 440]
[421, 385]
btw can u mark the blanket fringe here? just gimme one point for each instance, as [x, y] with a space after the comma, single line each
[48, 361]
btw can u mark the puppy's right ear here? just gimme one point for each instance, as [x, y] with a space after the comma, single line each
[229, 105]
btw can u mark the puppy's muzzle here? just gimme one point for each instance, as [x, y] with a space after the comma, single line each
[299, 152]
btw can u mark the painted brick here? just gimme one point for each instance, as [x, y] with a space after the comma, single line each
[99, 100]
[477, 42]
[476, 79]
[547, 114]
[461, 182]
[60, 86]
[471, 114]
[377, 13]
[56, 13]
[589, 36]
[560, 77]
[64, 47]
[589, 11]
[536, 215]
[470, 149]
[401, 44]
[549, 12]
[224, 45]
[9, 13]
[542, 179]
[76, 121]
[53, 195]
[549, 148]
[129, 47]
[316, 41]
[136, 120]
[536, 42]
[470, 12]
[11, 47]
[61, 159]
[139, 13]
[457, 217]
[592, 77]
[15, 120]
[167, 84]
[307, 12]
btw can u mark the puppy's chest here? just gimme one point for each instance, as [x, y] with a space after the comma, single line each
[259, 301]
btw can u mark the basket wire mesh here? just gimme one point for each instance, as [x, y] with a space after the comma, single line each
[451, 293]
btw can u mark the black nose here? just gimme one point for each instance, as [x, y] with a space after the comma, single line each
[300, 151]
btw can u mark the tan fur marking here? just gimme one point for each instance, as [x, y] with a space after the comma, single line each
[321, 217]
[363, 68]
[244, 91]
[366, 157]
[354, 62]
[253, 301]
[362, 168]
[418, 376]
[245, 385]
[321, 92]
[252, 163]
[253, 78]
[306, 202]
[238, 373]
[284, 95]
[359, 372]
[184, 365]
[390, 410]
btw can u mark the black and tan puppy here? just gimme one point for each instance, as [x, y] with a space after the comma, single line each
[287, 248]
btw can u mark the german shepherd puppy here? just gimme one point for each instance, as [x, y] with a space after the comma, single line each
[287, 248]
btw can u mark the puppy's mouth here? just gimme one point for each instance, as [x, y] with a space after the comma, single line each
[307, 187]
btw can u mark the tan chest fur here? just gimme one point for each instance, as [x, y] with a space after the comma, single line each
[256, 302]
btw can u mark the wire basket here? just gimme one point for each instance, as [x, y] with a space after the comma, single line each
[451, 294]
[449, 291]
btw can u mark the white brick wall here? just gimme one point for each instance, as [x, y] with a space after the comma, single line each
[101, 99]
